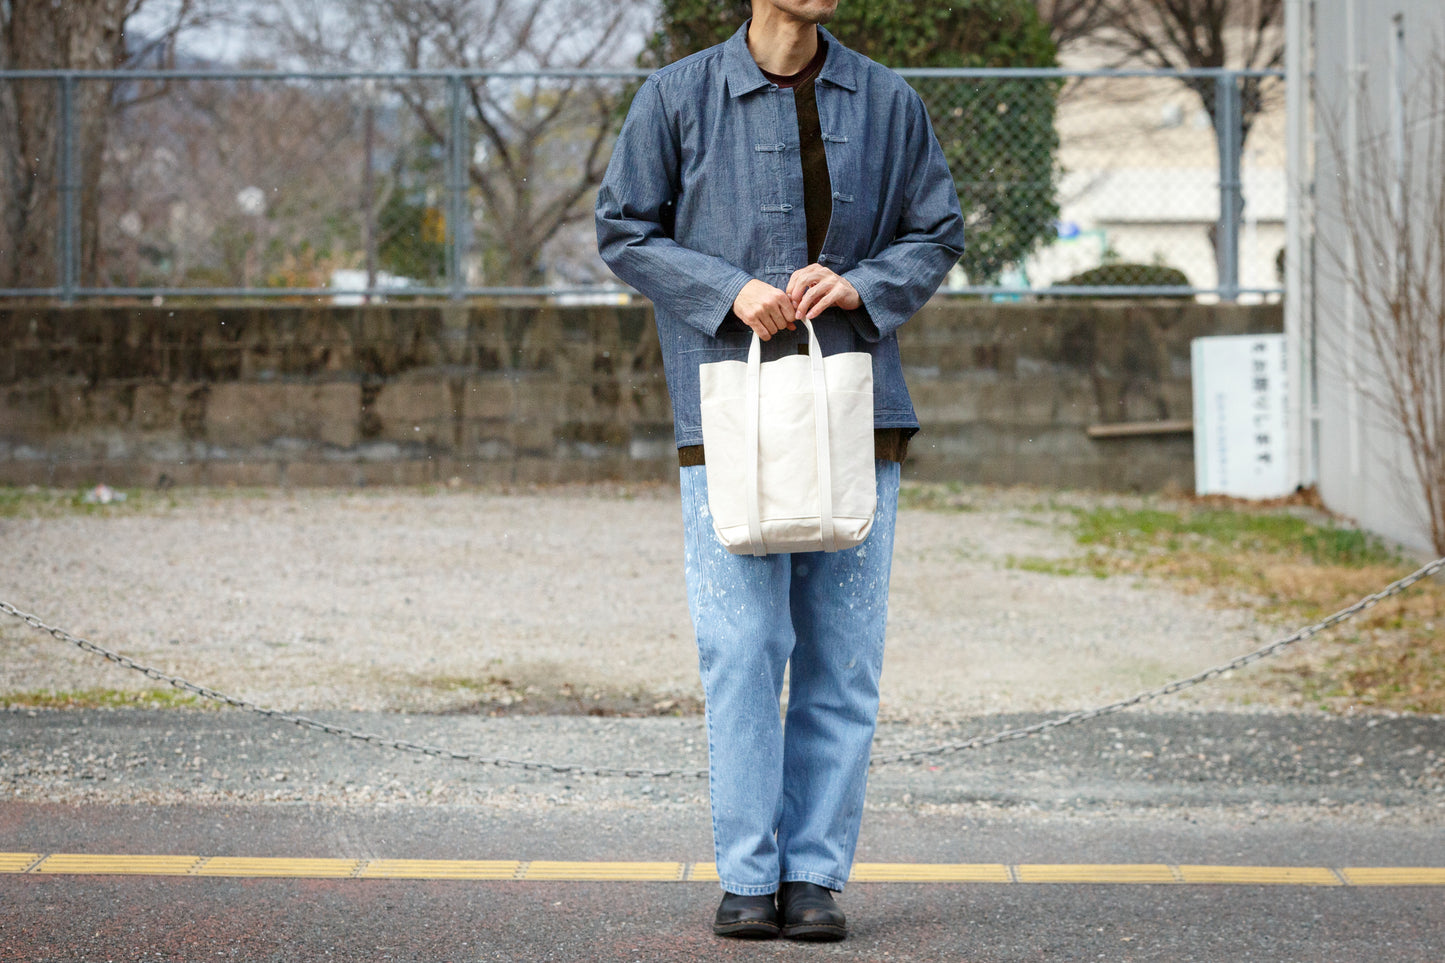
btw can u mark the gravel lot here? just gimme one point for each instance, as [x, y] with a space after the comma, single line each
[564, 600]
[550, 626]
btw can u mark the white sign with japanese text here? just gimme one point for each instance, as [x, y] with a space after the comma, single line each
[1240, 416]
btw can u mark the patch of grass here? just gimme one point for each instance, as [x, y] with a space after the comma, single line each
[167, 698]
[494, 695]
[1294, 569]
[462, 683]
[1242, 531]
[1090, 564]
[34, 502]
[937, 497]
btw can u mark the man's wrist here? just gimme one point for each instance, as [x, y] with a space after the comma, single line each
[729, 298]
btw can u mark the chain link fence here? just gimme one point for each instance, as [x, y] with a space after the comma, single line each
[351, 186]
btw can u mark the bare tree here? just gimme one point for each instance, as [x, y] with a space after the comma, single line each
[1185, 35]
[1391, 262]
[537, 145]
[1188, 34]
[74, 35]
[240, 183]
[1071, 21]
[39, 35]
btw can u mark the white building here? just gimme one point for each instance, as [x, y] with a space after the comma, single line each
[1141, 179]
[1373, 122]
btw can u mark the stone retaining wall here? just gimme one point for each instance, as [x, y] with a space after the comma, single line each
[533, 392]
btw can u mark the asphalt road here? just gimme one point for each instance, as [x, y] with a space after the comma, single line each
[1222, 789]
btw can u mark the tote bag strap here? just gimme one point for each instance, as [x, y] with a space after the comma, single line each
[820, 429]
[827, 530]
[750, 439]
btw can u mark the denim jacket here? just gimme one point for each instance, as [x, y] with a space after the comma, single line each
[705, 192]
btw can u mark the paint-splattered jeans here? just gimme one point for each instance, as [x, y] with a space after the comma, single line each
[787, 798]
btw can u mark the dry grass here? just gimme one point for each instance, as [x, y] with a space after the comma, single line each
[1294, 566]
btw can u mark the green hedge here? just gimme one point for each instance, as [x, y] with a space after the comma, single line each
[1129, 275]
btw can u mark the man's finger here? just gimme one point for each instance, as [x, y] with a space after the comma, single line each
[771, 315]
[813, 295]
[798, 279]
[787, 313]
[826, 302]
[779, 313]
[806, 277]
[801, 279]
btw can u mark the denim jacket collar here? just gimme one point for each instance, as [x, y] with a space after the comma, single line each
[744, 75]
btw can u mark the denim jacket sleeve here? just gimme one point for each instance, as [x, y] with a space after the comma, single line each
[631, 232]
[896, 282]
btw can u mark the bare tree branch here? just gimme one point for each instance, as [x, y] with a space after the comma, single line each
[1071, 21]
[541, 141]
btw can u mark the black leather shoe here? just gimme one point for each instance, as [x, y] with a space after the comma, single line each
[807, 912]
[746, 917]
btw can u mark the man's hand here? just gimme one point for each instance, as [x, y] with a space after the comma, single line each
[814, 289]
[764, 308]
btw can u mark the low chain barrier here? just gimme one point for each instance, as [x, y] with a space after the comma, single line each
[914, 755]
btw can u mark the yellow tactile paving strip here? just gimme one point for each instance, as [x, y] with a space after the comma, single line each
[280, 868]
[930, 873]
[77, 864]
[646, 872]
[117, 864]
[1394, 876]
[1261, 875]
[1097, 873]
[16, 862]
[440, 869]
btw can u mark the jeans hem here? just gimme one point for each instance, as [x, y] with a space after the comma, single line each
[749, 889]
[830, 882]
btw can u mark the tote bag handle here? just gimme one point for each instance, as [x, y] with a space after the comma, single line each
[820, 431]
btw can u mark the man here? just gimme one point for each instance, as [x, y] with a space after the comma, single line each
[776, 177]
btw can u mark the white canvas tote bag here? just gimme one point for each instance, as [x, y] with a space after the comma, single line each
[789, 450]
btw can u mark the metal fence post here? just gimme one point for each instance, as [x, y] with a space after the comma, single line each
[1229, 128]
[69, 230]
[456, 188]
[368, 188]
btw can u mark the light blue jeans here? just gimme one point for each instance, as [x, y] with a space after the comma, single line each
[787, 799]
